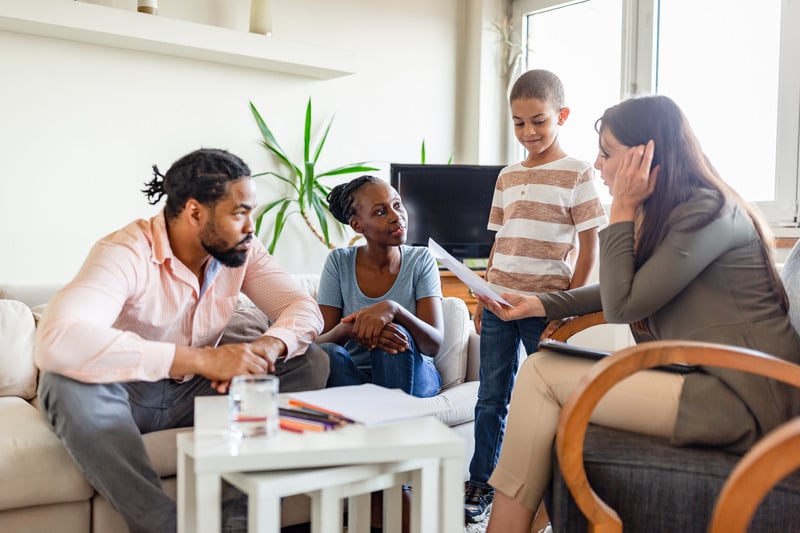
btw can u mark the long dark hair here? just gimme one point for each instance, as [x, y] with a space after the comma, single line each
[203, 175]
[684, 168]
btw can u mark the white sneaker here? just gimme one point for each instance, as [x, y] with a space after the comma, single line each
[548, 529]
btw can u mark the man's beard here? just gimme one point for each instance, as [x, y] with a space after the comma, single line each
[231, 257]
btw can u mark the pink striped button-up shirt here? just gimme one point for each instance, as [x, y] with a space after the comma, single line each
[133, 301]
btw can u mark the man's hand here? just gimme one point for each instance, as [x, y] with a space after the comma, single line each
[222, 363]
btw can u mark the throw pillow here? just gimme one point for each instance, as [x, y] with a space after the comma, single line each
[451, 362]
[17, 371]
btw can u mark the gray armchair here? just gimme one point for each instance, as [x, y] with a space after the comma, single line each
[605, 479]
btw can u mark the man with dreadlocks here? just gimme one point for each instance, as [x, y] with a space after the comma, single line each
[126, 346]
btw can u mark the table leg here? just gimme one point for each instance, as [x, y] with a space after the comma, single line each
[187, 503]
[393, 509]
[329, 512]
[263, 512]
[207, 495]
[451, 494]
[358, 513]
[424, 503]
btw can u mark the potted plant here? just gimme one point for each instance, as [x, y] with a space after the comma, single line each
[305, 190]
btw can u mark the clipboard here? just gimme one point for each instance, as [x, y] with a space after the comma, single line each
[470, 278]
[596, 355]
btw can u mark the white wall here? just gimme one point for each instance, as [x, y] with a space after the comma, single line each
[80, 125]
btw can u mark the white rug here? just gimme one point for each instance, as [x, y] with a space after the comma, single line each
[478, 527]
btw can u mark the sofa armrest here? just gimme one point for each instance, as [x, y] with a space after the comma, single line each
[474, 356]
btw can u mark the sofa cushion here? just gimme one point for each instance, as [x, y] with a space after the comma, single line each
[17, 371]
[451, 361]
[455, 405]
[656, 487]
[34, 465]
[162, 450]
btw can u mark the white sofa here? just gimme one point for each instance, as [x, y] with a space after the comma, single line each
[43, 491]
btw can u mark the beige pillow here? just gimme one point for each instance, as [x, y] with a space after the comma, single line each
[451, 362]
[17, 371]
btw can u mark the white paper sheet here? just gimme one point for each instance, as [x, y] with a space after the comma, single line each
[368, 404]
[472, 280]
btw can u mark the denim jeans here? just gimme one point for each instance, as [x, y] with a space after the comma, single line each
[409, 370]
[500, 341]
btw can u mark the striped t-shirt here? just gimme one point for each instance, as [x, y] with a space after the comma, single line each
[537, 213]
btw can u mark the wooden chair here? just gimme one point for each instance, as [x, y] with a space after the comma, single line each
[765, 465]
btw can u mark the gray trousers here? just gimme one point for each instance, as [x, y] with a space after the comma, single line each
[101, 426]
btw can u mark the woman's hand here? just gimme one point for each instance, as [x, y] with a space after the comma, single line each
[368, 323]
[392, 339]
[634, 182]
[522, 306]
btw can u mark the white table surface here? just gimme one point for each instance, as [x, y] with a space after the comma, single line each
[210, 450]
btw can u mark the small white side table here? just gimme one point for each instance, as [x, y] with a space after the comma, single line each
[423, 451]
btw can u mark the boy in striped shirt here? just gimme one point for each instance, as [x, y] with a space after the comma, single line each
[546, 213]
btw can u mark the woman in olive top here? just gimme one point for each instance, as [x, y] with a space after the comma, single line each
[683, 257]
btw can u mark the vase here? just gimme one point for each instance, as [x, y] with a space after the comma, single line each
[147, 6]
[260, 17]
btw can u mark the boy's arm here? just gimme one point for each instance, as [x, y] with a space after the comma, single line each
[587, 257]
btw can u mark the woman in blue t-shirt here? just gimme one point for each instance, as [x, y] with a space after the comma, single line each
[381, 302]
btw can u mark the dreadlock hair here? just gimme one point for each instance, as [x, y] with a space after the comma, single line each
[340, 199]
[684, 168]
[203, 175]
[540, 84]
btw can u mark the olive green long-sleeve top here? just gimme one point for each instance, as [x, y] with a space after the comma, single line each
[709, 285]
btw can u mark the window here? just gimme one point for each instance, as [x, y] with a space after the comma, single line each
[581, 44]
[731, 66]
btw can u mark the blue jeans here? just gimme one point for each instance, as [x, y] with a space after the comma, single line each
[409, 370]
[500, 342]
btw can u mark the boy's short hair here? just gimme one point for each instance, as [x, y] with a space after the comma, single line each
[541, 84]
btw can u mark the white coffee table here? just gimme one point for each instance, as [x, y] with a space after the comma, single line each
[208, 452]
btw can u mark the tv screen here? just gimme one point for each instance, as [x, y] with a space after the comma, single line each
[450, 203]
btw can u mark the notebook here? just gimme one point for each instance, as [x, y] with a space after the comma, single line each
[596, 355]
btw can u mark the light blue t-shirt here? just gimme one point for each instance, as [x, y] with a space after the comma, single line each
[418, 278]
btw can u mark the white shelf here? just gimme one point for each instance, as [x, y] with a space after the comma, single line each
[105, 26]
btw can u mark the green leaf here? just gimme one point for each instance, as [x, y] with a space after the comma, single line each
[282, 157]
[280, 223]
[308, 183]
[307, 132]
[270, 142]
[278, 176]
[347, 169]
[322, 141]
[422, 152]
[322, 217]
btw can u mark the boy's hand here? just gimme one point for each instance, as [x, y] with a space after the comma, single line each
[476, 317]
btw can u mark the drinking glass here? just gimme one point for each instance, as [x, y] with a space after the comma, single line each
[253, 406]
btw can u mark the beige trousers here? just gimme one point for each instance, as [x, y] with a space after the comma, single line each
[646, 402]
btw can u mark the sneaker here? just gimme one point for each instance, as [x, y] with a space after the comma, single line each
[477, 503]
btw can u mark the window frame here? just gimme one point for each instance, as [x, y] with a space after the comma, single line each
[639, 72]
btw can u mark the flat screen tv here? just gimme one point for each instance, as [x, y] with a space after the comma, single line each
[450, 203]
